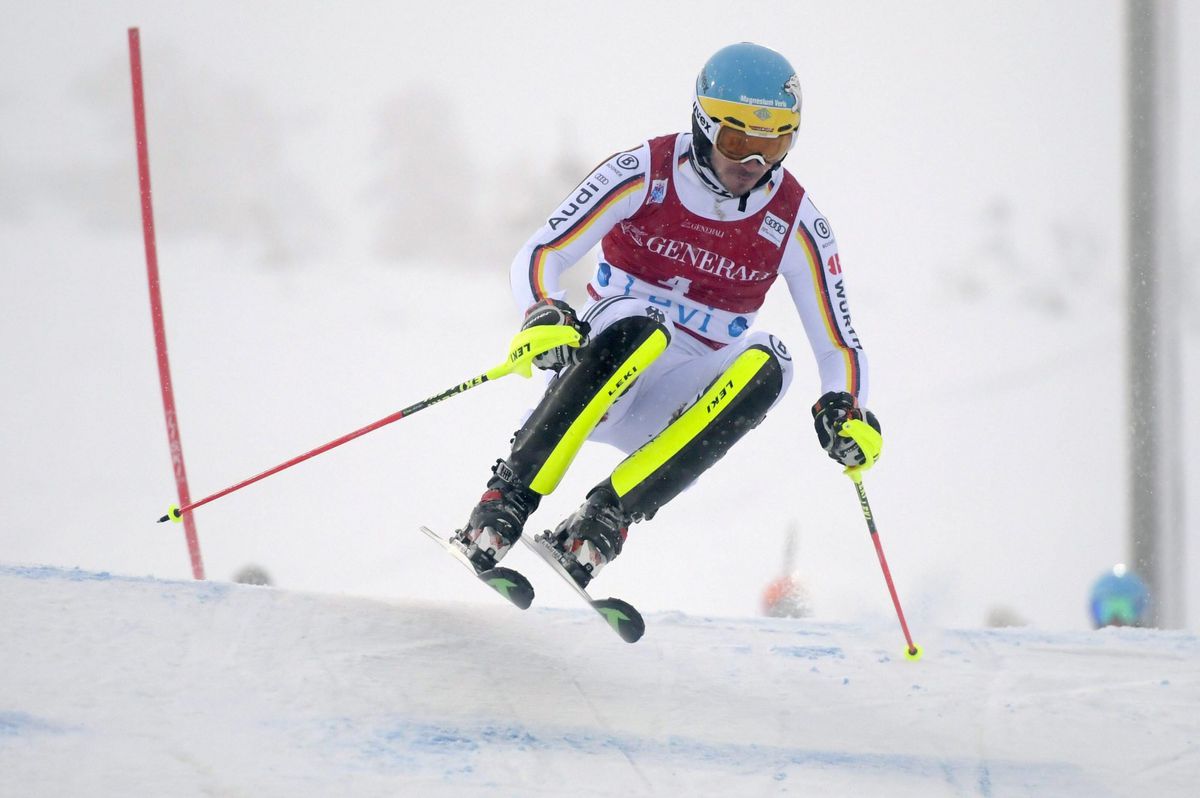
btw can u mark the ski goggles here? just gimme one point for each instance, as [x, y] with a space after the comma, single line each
[737, 145]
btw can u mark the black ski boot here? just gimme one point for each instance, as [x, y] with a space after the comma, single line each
[497, 521]
[592, 536]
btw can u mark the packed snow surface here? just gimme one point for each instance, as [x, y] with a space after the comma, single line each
[114, 685]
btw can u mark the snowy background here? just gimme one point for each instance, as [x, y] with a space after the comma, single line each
[339, 191]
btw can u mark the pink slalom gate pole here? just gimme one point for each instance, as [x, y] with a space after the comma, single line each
[156, 309]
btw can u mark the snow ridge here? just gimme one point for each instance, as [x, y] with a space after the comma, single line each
[114, 684]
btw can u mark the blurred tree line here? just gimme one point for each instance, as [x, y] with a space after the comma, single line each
[418, 179]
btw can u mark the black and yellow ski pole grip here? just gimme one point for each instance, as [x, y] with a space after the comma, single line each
[871, 444]
[525, 346]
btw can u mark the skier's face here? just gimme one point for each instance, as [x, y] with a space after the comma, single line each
[738, 178]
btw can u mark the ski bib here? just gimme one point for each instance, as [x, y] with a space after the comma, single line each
[708, 276]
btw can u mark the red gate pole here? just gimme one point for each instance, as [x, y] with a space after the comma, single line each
[156, 310]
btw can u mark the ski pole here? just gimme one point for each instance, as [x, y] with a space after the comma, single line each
[525, 346]
[870, 442]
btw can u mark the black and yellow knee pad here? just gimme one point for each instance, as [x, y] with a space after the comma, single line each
[732, 405]
[580, 396]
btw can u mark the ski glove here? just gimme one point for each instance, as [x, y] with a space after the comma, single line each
[555, 311]
[830, 414]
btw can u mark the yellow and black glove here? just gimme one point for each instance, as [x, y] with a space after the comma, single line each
[848, 443]
[555, 311]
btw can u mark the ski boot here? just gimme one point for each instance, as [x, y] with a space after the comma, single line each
[592, 536]
[497, 520]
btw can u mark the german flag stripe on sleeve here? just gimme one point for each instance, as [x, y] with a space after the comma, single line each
[828, 316]
[537, 259]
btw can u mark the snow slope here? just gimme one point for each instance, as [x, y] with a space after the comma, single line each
[112, 685]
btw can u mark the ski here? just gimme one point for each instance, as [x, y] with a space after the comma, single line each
[505, 581]
[624, 619]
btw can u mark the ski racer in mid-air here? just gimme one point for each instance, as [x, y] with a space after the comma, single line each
[693, 228]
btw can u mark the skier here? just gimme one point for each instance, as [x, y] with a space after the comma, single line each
[693, 228]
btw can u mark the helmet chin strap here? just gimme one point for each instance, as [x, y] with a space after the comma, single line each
[702, 161]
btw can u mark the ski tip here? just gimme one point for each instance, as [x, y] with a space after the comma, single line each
[623, 617]
[632, 634]
[510, 584]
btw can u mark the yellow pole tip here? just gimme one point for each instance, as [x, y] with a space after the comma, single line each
[913, 653]
[174, 514]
